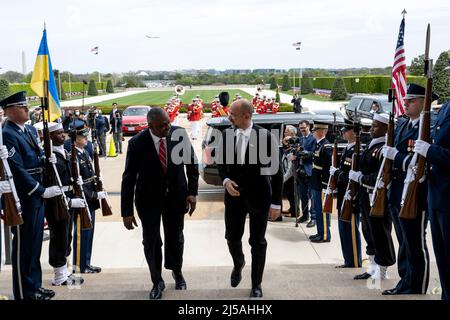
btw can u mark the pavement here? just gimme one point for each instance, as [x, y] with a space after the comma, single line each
[295, 267]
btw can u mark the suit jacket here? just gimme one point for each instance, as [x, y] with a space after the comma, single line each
[25, 154]
[145, 182]
[260, 190]
[309, 144]
[438, 159]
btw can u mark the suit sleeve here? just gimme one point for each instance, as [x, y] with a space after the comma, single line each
[277, 178]
[21, 176]
[221, 156]
[402, 160]
[129, 177]
[191, 168]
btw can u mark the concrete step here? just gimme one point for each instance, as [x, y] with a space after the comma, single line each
[289, 282]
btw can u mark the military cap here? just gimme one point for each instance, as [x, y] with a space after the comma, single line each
[224, 98]
[319, 125]
[383, 118]
[348, 125]
[82, 131]
[54, 126]
[416, 91]
[18, 99]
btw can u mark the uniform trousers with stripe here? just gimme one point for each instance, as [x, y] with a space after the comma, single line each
[82, 243]
[26, 252]
[350, 241]
[323, 222]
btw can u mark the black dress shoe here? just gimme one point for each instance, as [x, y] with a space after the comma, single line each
[319, 240]
[256, 292]
[302, 219]
[311, 224]
[236, 276]
[37, 297]
[313, 236]
[390, 292]
[156, 292]
[46, 292]
[94, 269]
[180, 283]
[362, 276]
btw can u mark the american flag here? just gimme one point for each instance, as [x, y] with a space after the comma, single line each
[399, 73]
[296, 45]
[94, 50]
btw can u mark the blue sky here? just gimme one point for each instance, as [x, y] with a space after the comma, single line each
[218, 34]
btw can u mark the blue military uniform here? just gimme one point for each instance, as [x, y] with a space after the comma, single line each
[319, 181]
[413, 259]
[348, 230]
[26, 162]
[438, 156]
[83, 239]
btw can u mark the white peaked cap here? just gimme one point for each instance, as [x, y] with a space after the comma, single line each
[54, 126]
[383, 117]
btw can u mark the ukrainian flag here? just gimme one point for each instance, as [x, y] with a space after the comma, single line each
[43, 72]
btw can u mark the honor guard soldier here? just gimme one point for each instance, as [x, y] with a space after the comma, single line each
[82, 254]
[376, 230]
[413, 259]
[61, 231]
[26, 161]
[255, 100]
[348, 230]
[438, 155]
[319, 179]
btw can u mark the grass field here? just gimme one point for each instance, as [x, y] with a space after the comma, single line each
[159, 98]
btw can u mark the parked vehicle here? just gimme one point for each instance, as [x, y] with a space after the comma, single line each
[134, 119]
[364, 105]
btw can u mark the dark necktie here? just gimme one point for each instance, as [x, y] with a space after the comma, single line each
[29, 137]
[163, 155]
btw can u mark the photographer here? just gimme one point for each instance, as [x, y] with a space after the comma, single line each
[288, 157]
[116, 130]
[102, 127]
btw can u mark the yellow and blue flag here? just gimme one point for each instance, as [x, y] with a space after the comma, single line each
[43, 71]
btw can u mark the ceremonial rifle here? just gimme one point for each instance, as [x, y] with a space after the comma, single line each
[12, 210]
[416, 168]
[379, 195]
[352, 186]
[328, 200]
[60, 204]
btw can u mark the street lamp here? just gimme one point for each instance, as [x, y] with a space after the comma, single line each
[297, 47]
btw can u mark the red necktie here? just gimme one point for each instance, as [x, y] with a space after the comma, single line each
[163, 155]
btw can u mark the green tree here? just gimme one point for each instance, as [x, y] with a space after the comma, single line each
[338, 92]
[417, 66]
[12, 76]
[307, 86]
[273, 83]
[277, 96]
[4, 88]
[441, 83]
[286, 83]
[92, 91]
[109, 87]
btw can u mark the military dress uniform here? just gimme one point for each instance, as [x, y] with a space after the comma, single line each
[348, 230]
[26, 161]
[438, 156]
[376, 231]
[413, 259]
[83, 239]
[319, 181]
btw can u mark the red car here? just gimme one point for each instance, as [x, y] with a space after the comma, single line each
[134, 119]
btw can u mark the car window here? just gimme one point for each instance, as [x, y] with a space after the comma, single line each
[353, 104]
[386, 106]
[366, 105]
[135, 112]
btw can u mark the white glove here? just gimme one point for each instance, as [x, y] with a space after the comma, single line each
[51, 192]
[380, 184]
[421, 147]
[5, 187]
[3, 153]
[77, 203]
[389, 152]
[332, 170]
[100, 178]
[355, 175]
[101, 195]
[52, 158]
[80, 181]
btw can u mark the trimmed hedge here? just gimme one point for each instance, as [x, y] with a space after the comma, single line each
[75, 86]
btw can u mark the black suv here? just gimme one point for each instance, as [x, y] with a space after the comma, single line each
[279, 121]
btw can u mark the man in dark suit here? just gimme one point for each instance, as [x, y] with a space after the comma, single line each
[253, 181]
[162, 191]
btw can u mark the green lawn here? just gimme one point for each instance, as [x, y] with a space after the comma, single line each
[159, 98]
